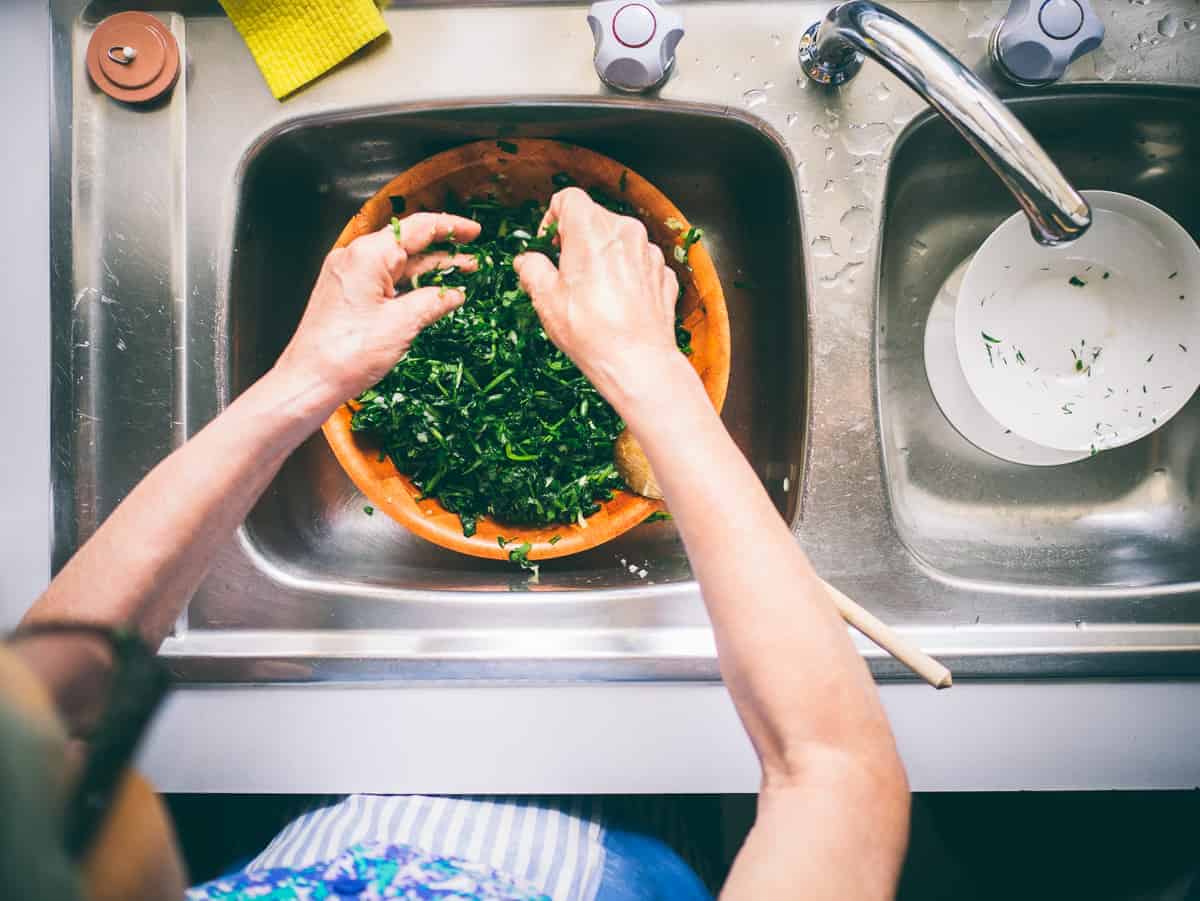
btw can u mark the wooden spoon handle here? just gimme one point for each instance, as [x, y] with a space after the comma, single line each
[891, 641]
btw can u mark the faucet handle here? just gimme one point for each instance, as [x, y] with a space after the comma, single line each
[1037, 39]
[635, 42]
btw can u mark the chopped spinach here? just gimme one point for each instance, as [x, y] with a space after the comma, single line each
[690, 237]
[484, 413]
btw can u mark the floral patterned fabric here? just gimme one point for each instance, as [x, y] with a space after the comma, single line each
[368, 871]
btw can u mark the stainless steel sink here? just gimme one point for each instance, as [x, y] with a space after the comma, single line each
[302, 183]
[1125, 519]
[185, 238]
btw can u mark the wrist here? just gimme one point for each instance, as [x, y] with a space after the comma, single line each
[302, 396]
[641, 389]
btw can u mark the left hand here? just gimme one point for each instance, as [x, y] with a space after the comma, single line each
[356, 325]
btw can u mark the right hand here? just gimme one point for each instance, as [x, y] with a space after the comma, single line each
[610, 304]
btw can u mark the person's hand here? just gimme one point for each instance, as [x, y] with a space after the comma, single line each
[356, 325]
[610, 304]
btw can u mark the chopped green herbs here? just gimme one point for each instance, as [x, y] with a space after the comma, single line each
[1106, 274]
[988, 338]
[397, 229]
[1172, 275]
[1150, 359]
[690, 237]
[555, 539]
[1020, 358]
[484, 413]
[369, 510]
[1076, 281]
[658, 516]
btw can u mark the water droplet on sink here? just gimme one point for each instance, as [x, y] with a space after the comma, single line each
[857, 221]
[754, 97]
[828, 154]
[737, 76]
[843, 277]
[753, 59]
[820, 131]
[776, 40]
[1106, 65]
[822, 246]
[1168, 25]
[883, 92]
[867, 138]
[920, 247]
[981, 18]
[791, 119]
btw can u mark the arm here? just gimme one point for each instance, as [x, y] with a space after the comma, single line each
[833, 809]
[144, 563]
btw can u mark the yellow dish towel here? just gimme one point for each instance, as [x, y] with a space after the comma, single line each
[294, 41]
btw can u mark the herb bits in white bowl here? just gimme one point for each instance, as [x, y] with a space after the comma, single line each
[1087, 346]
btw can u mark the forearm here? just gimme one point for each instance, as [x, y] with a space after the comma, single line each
[144, 563]
[785, 652]
[833, 784]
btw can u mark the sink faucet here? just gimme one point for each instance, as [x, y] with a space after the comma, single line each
[831, 53]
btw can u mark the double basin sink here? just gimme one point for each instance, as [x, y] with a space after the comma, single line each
[185, 240]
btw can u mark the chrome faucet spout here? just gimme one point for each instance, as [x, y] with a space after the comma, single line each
[832, 51]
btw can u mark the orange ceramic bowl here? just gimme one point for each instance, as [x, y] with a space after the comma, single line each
[514, 171]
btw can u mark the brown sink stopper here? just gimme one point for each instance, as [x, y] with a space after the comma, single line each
[132, 57]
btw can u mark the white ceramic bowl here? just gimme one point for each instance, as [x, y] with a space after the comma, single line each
[1087, 346]
[958, 403]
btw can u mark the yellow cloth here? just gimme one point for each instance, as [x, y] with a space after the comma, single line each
[294, 41]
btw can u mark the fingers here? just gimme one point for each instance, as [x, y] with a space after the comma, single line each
[570, 208]
[379, 248]
[657, 260]
[420, 230]
[537, 274]
[670, 289]
[427, 262]
[431, 304]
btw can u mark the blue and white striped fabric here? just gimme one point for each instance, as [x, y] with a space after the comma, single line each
[556, 846]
